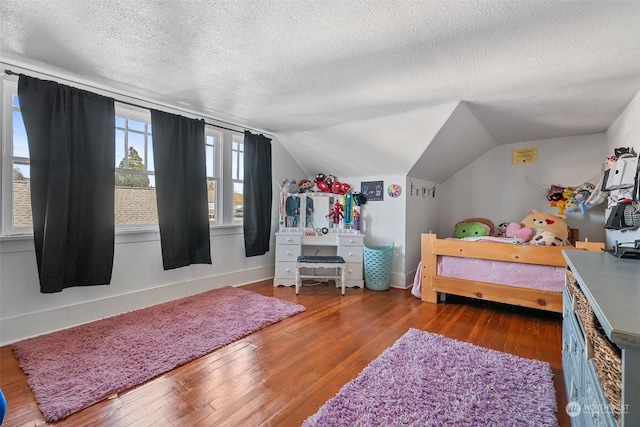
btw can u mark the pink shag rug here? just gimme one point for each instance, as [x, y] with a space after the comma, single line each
[74, 368]
[426, 379]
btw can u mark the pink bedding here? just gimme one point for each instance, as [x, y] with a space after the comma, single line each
[542, 277]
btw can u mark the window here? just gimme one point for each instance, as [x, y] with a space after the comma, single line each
[237, 176]
[20, 218]
[135, 192]
[135, 196]
[212, 142]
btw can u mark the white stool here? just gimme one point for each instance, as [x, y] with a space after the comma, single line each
[334, 262]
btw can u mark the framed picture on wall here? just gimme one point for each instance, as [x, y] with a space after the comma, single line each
[373, 190]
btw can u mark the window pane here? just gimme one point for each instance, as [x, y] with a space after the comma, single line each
[20, 143]
[129, 177]
[15, 101]
[120, 149]
[238, 201]
[21, 196]
[237, 159]
[136, 206]
[21, 172]
[240, 166]
[234, 164]
[210, 165]
[136, 151]
[135, 194]
[211, 197]
[136, 125]
[150, 165]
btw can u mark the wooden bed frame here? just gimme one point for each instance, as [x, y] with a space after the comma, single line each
[433, 285]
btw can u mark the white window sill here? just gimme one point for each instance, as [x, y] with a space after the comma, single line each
[24, 242]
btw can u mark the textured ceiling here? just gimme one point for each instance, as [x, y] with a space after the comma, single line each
[307, 71]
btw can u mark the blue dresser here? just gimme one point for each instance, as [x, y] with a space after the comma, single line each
[608, 289]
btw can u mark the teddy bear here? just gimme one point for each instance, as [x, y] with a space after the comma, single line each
[542, 221]
[546, 238]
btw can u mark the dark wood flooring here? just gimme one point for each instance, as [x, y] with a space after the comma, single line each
[283, 373]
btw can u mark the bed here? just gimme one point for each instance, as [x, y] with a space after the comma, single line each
[516, 257]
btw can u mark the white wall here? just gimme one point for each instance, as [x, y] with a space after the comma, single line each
[422, 217]
[384, 222]
[625, 132]
[138, 278]
[493, 187]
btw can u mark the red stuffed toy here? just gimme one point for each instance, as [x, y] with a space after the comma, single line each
[336, 214]
[322, 186]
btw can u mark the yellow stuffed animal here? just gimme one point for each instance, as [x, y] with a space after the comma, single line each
[549, 223]
[562, 203]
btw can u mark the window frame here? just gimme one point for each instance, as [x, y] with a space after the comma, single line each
[141, 111]
[9, 88]
[216, 161]
[237, 164]
[139, 114]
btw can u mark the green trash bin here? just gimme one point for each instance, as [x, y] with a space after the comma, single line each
[377, 266]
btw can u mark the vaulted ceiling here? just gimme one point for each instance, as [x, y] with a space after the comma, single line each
[350, 87]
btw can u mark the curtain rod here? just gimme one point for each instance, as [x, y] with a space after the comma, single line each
[11, 73]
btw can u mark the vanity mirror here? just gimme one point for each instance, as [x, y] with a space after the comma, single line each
[306, 210]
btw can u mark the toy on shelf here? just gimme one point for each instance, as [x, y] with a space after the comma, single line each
[336, 214]
[356, 219]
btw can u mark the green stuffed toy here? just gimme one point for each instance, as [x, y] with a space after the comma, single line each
[469, 229]
[473, 227]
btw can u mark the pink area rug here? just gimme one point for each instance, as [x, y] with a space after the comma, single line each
[426, 379]
[77, 367]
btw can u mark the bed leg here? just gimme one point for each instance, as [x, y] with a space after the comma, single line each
[429, 261]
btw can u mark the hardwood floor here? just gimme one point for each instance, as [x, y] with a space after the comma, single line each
[283, 373]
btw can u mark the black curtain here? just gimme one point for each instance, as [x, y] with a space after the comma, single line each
[71, 136]
[181, 189]
[257, 194]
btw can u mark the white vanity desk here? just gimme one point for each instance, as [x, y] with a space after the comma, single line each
[290, 243]
[306, 228]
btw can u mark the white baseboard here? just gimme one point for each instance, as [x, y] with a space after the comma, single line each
[28, 325]
[399, 281]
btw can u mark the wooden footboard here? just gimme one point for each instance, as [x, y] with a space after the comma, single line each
[433, 285]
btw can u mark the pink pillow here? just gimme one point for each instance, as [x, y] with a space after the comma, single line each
[516, 230]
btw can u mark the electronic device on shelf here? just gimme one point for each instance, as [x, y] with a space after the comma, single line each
[626, 249]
